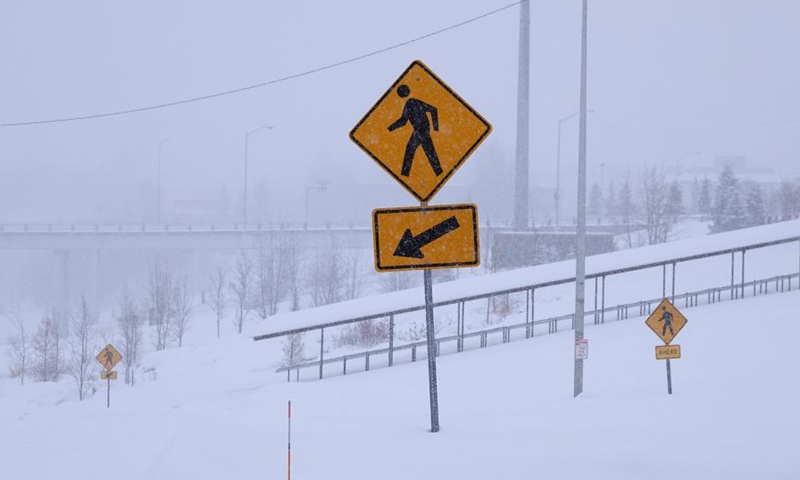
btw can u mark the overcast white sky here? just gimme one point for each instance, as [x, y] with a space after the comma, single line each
[666, 77]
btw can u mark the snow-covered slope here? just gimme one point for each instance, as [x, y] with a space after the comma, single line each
[219, 412]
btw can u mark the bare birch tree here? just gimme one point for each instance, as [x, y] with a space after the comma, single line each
[18, 344]
[269, 277]
[45, 350]
[159, 303]
[82, 344]
[240, 287]
[217, 301]
[327, 275]
[293, 259]
[293, 348]
[181, 310]
[129, 322]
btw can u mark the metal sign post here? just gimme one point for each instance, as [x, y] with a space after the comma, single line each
[431, 332]
[667, 322]
[289, 444]
[420, 132]
[108, 358]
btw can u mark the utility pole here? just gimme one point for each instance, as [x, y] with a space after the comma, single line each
[580, 238]
[523, 84]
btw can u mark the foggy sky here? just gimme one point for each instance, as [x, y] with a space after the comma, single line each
[665, 78]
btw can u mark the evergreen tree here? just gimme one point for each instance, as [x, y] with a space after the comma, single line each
[704, 200]
[595, 200]
[626, 210]
[790, 199]
[611, 206]
[675, 201]
[754, 205]
[729, 211]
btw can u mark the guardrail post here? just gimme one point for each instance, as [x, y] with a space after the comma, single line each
[413, 353]
[673, 281]
[366, 362]
[743, 252]
[603, 302]
[344, 365]
[596, 318]
[732, 280]
[527, 314]
[533, 312]
[321, 350]
[391, 340]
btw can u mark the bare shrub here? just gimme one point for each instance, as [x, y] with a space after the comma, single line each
[364, 334]
[18, 344]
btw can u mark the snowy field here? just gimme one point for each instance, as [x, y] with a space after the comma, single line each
[218, 411]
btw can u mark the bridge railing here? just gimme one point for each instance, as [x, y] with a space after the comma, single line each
[223, 227]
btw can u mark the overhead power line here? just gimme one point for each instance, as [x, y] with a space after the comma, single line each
[266, 83]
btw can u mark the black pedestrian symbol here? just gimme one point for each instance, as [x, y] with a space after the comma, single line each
[666, 317]
[416, 111]
[109, 358]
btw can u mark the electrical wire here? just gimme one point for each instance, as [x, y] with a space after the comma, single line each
[266, 83]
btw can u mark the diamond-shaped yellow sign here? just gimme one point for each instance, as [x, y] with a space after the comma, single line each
[420, 131]
[666, 321]
[108, 357]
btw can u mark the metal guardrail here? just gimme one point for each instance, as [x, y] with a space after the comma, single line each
[644, 307]
[598, 276]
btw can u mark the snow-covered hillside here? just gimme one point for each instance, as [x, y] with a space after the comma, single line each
[218, 411]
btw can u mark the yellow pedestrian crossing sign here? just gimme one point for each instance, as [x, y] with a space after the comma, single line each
[109, 357]
[420, 131]
[666, 321]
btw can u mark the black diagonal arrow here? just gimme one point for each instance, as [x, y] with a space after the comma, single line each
[410, 246]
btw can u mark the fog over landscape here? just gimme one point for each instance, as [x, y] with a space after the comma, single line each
[211, 212]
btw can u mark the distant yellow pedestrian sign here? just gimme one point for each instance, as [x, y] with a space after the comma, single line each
[106, 375]
[666, 321]
[420, 131]
[665, 352]
[109, 357]
[418, 238]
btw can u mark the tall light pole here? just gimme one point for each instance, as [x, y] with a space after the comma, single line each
[580, 238]
[244, 200]
[158, 181]
[522, 160]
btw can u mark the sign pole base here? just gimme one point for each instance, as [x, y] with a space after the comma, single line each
[669, 378]
[432, 387]
[108, 393]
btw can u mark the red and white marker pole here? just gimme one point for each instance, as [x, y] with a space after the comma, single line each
[289, 445]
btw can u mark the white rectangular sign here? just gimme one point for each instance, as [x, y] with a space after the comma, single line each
[581, 349]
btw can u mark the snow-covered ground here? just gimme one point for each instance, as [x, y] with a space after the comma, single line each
[219, 411]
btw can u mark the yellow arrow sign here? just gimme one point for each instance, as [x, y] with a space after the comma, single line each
[109, 357]
[666, 321]
[106, 375]
[416, 238]
[420, 131]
